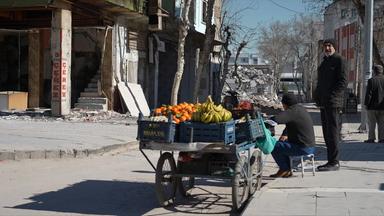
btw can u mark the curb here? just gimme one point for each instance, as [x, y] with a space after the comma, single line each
[74, 153]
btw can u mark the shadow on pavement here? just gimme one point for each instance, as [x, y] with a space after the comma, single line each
[346, 118]
[97, 198]
[355, 151]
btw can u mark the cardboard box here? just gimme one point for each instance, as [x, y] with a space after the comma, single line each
[13, 100]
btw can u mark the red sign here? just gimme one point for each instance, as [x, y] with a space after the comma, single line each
[59, 78]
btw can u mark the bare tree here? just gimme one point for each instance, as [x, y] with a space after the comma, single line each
[302, 40]
[234, 37]
[226, 34]
[210, 29]
[183, 32]
[273, 46]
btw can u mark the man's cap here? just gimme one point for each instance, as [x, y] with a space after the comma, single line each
[289, 99]
[330, 41]
[378, 69]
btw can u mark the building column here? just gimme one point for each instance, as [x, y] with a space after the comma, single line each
[61, 45]
[35, 70]
[107, 69]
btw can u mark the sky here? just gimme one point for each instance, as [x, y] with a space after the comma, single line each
[262, 12]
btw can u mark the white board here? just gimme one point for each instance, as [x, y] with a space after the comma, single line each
[139, 97]
[128, 99]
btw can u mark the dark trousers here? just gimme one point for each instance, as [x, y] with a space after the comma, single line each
[331, 123]
[283, 150]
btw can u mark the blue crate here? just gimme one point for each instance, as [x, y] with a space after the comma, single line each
[213, 132]
[157, 131]
[249, 130]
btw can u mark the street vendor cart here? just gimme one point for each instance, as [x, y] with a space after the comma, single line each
[192, 150]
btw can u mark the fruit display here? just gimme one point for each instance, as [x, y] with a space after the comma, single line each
[180, 112]
[244, 108]
[245, 105]
[208, 112]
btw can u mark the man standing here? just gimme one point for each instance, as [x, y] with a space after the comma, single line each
[298, 137]
[374, 101]
[329, 96]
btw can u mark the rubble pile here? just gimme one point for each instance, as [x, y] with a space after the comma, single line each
[76, 115]
[255, 86]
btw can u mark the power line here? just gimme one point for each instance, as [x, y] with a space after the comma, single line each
[281, 6]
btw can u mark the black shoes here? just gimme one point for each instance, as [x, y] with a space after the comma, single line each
[369, 141]
[282, 174]
[329, 167]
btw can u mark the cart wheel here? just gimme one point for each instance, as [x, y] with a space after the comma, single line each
[185, 185]
[256, 170]
[239, 184]
[165, 184]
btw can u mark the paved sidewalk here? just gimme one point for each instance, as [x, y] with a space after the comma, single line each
[356, 189]
[21, 139]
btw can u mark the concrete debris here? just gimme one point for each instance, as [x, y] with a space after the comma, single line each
[254, 85]
[76, 115]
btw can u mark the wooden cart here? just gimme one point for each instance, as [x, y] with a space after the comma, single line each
[246, 166]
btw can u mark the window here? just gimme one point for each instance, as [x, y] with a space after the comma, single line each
[244, 60]
[353, 13]
[344, 13]
[204, 11]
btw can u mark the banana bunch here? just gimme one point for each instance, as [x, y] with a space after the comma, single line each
[208, 112]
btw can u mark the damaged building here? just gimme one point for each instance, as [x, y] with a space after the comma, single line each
[73, 54]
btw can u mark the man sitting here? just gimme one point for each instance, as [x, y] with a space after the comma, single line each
[298, 137]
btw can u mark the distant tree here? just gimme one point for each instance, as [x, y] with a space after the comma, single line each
[244, 37]
[273, 45]
[303, 40]
[292, 43]
[235, 37]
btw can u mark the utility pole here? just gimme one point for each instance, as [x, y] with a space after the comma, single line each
[368, 30]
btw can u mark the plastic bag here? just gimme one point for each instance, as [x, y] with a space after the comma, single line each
[267, 143]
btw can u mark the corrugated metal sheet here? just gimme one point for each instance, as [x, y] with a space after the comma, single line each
[23, 3]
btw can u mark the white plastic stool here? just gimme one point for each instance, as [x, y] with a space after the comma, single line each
[302, 158]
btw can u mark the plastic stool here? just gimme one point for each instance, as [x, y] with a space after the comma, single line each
[302, 158]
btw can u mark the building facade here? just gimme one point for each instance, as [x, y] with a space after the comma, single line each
[342, 22]
[68, 53]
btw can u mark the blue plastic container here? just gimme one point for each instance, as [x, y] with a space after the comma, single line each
[156, 131]
[213, 132]
[249, 130]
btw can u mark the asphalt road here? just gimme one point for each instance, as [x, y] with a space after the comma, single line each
[121, 184]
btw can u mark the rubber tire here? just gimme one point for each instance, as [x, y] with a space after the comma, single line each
[256, 165]
[240, 185]
[165, 193]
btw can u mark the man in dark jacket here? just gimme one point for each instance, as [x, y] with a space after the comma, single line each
[298, 137]
[374, 101]
[329, 96]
